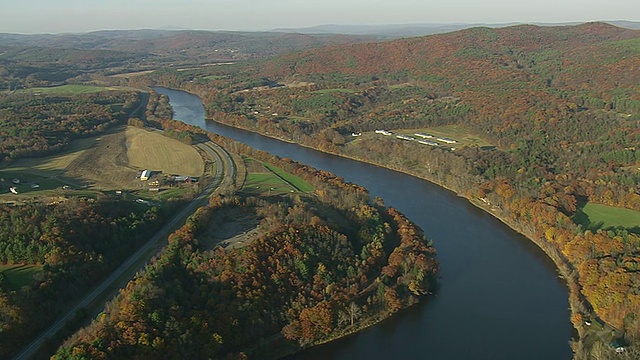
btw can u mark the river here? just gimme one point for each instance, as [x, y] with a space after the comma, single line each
[499, 295]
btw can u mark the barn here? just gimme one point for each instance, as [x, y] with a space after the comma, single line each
[146, 174]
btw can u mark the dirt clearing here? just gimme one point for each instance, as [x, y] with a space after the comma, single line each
[232, 229]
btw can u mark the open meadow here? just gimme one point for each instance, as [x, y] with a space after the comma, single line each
[17, 276]
[597, 216]
[266, 179]
[68, 89]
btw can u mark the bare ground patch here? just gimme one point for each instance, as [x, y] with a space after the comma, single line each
[105, 164]
[233, 228]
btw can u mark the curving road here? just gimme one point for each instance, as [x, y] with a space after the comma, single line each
[225, 171]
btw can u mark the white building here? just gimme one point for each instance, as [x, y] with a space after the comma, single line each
[446, 140]
[384, 132]
[424, 136]
[146, 174]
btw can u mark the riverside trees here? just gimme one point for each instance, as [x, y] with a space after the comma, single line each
[319, 257]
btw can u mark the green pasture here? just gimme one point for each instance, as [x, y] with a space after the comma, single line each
[68, 89]
[27, 182]
[17, 276]
[331, 91]
[596, 216]
[215, 77]
[263, 178]
[265, 183]
[293, 180]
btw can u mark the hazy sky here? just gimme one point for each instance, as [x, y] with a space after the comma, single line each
[54, 16]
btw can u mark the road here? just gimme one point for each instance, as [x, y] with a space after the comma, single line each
[225, 171]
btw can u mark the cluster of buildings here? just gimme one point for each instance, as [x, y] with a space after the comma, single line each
[427, 139]
[147, 174]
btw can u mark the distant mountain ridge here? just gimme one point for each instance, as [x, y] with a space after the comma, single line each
[488, 49]
[411, 30]
[191, 41]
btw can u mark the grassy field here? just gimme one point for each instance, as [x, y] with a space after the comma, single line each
[68, 89]
[109, 161]
[455, 132]
[331, 91]
[53, 165]
[151, 150]
[293, 180]
[265, 183]
[18, 276]
[48, 173]
[596, 216]
[137, 73]
[214, 77]
[266, 179]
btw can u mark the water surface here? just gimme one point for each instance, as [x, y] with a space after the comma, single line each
[500, 297]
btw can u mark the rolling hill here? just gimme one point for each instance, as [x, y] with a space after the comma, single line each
[560, 104]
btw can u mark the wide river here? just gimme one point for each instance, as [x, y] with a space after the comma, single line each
[500, 297]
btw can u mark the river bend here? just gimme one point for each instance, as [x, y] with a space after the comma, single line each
[500, 297]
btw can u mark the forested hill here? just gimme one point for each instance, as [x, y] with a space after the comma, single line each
[185, 44]
[500, 75]
[545, 121]
[503, 49]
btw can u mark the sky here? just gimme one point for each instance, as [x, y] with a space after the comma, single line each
[59, 16]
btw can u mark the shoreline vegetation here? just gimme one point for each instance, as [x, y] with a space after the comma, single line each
[576, 300]
[322, 266]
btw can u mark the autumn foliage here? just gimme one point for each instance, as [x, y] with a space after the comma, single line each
[322, 265]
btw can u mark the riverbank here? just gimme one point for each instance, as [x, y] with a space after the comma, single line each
[500, 291]
[577, 303]
[276, 347]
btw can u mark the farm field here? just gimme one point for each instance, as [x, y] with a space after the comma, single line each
[131, 74]
[151, 150]
[597, 216]
[69, 89]
[17, 276]
[110, 161]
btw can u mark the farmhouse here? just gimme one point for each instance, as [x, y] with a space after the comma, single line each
[146, 174]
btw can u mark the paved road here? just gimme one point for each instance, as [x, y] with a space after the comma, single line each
[225, 171]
